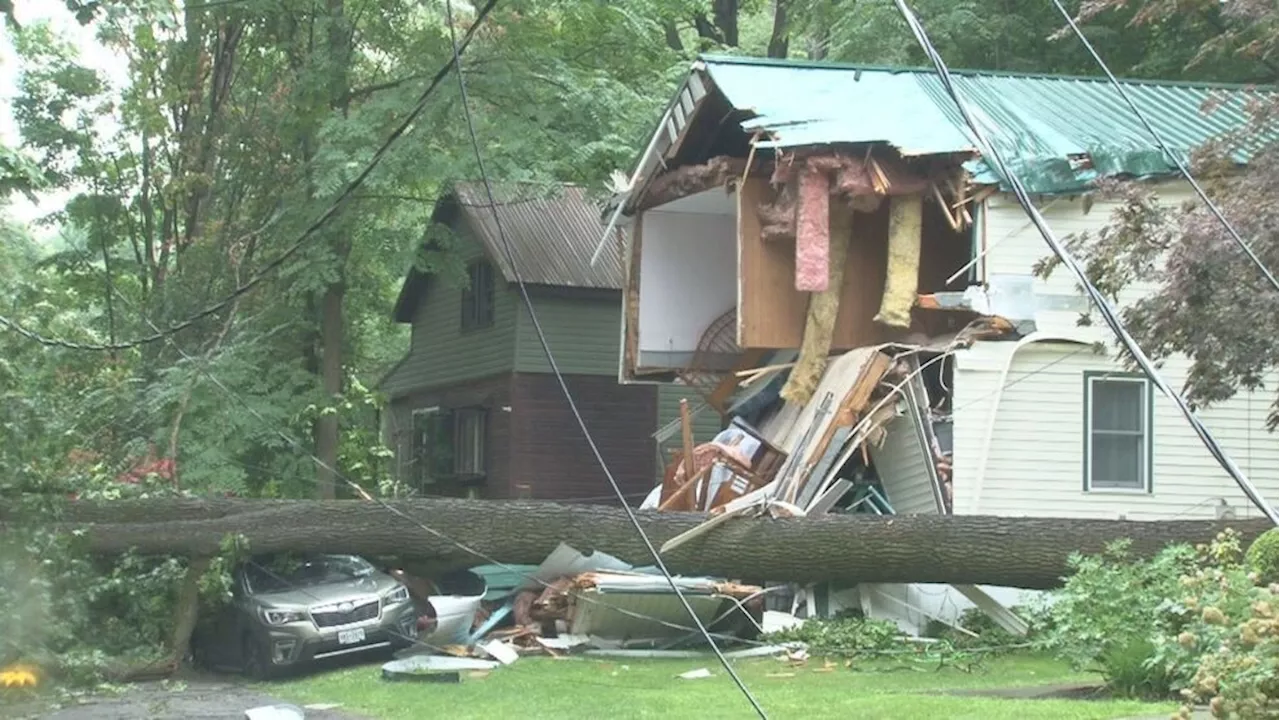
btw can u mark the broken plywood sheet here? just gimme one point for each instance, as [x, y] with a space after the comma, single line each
[849, 378]
[772, 312]
[842, 372]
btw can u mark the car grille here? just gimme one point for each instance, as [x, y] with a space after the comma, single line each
[331, 615]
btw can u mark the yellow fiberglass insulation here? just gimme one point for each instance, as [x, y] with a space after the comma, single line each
[903, 269]
[820, 321]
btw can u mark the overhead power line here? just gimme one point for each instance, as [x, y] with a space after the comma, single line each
[297, 245]
[1169, 153]
[564, 388]
[990, 154]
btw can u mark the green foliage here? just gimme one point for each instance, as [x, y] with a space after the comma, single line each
[362, 456]
[76, 619]
[1189, 621]
[986, 633]
[1112, 607]
[1262, 556]
[215, 585]
[843, 637]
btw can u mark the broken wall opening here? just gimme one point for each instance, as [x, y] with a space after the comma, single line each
[687, 278]
[907, 226]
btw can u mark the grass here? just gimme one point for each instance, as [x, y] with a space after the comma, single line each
[537, 687]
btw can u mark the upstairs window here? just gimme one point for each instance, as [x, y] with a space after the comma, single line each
[1117, 446]
[477, 296]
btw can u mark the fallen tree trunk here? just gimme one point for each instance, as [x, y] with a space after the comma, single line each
[1019, 552]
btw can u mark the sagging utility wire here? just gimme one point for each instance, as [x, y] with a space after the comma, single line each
[564, 388]
[1173, 158]
[297, 245]
[991, 155]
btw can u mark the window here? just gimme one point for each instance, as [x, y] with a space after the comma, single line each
[1117, 446]
[468, 442]
[448, 444]
[477, 296]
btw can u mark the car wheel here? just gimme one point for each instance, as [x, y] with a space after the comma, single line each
[255, 663]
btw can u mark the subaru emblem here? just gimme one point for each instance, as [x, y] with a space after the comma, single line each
[346, 607]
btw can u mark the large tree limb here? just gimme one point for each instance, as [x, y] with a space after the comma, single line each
[1020, 552]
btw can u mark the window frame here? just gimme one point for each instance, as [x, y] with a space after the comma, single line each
[1093, 378]
[454, 419]
[478, 296]
[479, 449]
[420, 470]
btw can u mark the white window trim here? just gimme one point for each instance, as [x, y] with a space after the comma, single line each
[1148, 437]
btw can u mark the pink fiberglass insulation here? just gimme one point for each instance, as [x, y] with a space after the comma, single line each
[812, 233]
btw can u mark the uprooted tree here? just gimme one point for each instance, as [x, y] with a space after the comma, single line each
[439, 535]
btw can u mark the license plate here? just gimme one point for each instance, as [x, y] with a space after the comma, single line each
[350, 637]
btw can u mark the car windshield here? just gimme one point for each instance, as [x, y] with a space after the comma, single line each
[282, 573]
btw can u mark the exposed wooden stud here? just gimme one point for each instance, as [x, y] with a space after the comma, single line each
[685, 489]
[946, 209]
[686, 438]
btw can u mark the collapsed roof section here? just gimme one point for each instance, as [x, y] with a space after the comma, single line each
[1059, 133]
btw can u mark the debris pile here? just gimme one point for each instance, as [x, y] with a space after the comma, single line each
[574, 602]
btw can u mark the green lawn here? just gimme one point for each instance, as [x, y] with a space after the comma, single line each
[538, 687]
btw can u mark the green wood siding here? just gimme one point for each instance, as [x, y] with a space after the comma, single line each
[582, 329]
[440, 353]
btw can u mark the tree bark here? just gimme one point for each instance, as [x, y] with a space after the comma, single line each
[672, 35]
[725, 13]
[1018, 552]
[779, 42]
[326, 426]
[332, 322]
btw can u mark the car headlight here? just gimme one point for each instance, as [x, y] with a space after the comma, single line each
[273, 616]
[399, 595]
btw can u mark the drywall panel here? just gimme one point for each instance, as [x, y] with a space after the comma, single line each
[687, 275]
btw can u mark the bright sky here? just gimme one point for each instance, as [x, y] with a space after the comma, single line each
[92, 54]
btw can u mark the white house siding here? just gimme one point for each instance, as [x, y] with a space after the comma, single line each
[1035, 457]
[1015, 246]
[1034, 464]
[903, 467]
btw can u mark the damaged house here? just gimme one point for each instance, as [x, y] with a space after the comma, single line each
[818, 253]
[474, 398]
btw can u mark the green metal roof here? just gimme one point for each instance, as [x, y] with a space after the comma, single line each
[1041, 124]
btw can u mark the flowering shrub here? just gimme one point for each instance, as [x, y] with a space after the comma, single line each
[1225, 654]
[1190, 621]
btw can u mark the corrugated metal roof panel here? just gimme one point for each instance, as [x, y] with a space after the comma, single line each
[1040, 123]
[552, 234]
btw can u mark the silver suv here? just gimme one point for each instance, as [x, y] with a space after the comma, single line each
[288, 611]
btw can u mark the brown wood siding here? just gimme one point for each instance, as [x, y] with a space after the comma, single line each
[549, 453]
[492, 393]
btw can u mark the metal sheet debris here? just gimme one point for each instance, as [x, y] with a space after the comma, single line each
[455, 614]
[500, 651]
[274, 712]
[433, 668]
